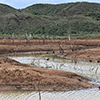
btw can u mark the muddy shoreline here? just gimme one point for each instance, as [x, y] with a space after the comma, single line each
[86, 50]
[17, 76]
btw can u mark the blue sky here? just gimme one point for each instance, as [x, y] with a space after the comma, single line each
[24, 3]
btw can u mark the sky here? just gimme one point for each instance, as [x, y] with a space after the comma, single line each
[19, 4]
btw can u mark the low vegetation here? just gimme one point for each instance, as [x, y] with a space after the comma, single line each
[80, 20]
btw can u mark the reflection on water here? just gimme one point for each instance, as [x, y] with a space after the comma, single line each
[90, 94]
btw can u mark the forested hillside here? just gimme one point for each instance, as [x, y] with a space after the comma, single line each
[80, 19]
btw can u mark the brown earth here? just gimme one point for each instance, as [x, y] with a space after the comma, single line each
[77, 49]
[89, 55]
[17, 76]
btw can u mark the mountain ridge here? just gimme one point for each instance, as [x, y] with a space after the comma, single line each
[80, 18]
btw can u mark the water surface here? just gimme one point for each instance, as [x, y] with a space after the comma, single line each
[86, 69]
[90, 94]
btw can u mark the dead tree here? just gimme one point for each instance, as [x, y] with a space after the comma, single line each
[39, 89]
[4, 40]
[61, 49]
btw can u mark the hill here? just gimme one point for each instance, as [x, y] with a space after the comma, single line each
[80, 19]
[5, 9]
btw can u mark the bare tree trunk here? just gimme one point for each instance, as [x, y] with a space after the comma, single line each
[61, 49]
[43, 41]
[13, 41]
[39, 95]
[39, 90]
[69, 37]
[4, 41]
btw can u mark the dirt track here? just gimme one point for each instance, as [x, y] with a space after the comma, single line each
[17, 76]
